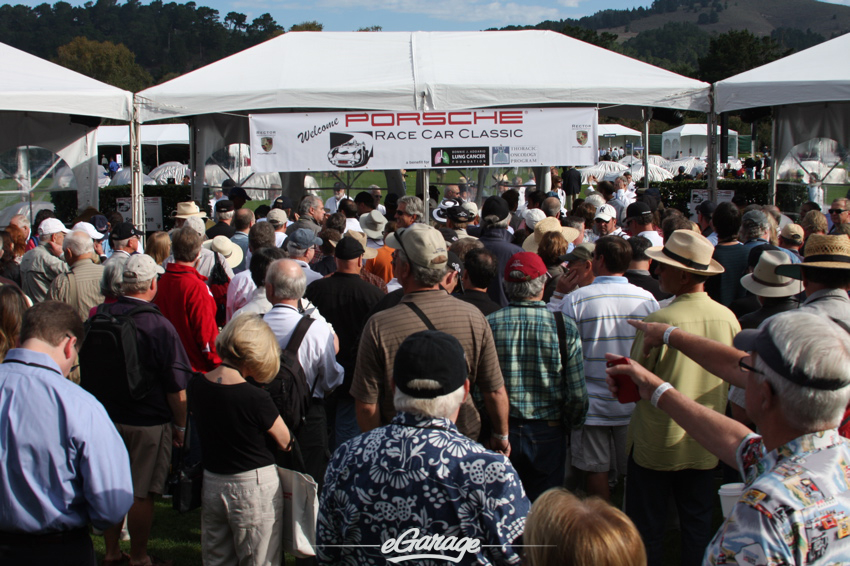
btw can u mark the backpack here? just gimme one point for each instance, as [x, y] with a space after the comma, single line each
[289, 387]
[110, 368]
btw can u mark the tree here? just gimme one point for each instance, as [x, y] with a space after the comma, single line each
[604, 39]
[703, 19]
[236, 21]
[104, 61]
[307, 26]
[714, 17]
[371, 28]
[737, 51]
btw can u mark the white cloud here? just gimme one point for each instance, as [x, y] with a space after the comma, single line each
[455, 10]
[841, 2]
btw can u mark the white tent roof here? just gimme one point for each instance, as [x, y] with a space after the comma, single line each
[152, 134]
[616, 130]
[816, 74]
[694, 130]
[31, 84]
[419, 71]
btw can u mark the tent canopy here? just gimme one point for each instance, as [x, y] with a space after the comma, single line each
[616, 130]
[419, 71]
[816, 74]
[151, 134]
[691, 140]
[31, 84]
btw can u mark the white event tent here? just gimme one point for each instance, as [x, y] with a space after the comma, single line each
[809, 92]
[616, 135]
[691, 140]
[397, 71]
[45, 105]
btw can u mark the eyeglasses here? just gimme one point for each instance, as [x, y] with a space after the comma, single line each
[747, 368]
[600, 221]
[402, 213]
[836, 210]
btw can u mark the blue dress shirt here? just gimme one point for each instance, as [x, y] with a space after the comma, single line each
[63, 462]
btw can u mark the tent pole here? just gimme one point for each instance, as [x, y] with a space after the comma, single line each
[647, 116]
[712, 148]
[774, 164]
[137, 202]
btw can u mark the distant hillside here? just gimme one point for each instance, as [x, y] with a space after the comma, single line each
[761, 17]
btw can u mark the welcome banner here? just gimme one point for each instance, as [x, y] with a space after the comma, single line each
[516, 137]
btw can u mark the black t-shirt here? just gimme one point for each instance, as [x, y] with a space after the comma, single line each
[233, 423]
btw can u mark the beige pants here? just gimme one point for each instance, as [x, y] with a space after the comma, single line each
[242, 518]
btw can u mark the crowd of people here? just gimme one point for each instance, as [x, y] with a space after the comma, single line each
[459, 369]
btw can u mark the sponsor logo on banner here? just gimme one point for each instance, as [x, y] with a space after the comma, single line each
[461, 156]
[501, 155]
[350, 149]
[581, 137]
[267, 143]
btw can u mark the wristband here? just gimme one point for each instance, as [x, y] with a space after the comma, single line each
[558, 295]
[667, 333]
[659, 391]
[502, 437]
[179, 428]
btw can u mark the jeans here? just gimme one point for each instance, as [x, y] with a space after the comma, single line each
[647, 494]
[538, 453]
[346, 426]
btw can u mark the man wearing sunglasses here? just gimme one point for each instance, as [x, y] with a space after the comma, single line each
[795, 507]
[839, 213]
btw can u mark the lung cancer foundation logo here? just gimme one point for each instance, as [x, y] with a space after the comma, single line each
[582, 137]
[267, 143]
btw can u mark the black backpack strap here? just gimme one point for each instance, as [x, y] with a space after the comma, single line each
[295, 342]
[562, 337]
[421, 315]
[143, 308]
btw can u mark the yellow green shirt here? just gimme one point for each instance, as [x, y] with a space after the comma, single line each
[658, 443]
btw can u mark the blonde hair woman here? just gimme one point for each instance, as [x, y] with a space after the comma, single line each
[158, 246]
[563, 529]
[239, 426]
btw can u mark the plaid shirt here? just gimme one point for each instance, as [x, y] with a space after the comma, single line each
[527, 344]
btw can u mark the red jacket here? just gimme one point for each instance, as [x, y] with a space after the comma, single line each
[185, 300]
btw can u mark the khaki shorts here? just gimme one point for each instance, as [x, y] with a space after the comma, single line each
[599, 448]
[150, 456]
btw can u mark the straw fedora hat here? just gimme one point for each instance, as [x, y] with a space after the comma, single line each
[765, 282]
[369, 253]
[373, 224]
[830, 252]
[187, 209]
[688, 251]
[231, 252]
[549, 224]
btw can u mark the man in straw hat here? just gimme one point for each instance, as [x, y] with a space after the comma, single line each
[664, 461]
[796, 372]
[420, 264]
[184, 211]
[600, 311]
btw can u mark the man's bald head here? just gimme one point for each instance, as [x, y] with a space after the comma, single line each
[285, 281]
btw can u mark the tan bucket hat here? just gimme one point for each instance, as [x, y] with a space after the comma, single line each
[830, 252]
[765, 282]
[688, 251]
[231, 252]
[373, 224]
[369, 253]
[187, 209]
[549, 224]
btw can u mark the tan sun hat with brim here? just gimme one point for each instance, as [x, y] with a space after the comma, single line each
[764, 281]
[830, 252]
[368, 253]
[549, 224]
[373, 224]
[688, 251]
[231, 252]
[187, 209]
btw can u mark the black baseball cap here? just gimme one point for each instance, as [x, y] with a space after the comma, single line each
[431, 355]
[123, 231]
[224, 205]
[348, 248]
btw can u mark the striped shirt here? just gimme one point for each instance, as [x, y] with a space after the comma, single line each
[527, 344]
[601, 311]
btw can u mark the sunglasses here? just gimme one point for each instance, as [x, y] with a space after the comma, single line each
[836, 210]
[600, 221]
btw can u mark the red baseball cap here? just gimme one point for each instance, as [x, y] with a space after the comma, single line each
[527, 263]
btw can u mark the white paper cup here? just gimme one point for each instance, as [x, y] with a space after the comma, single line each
[729, 494]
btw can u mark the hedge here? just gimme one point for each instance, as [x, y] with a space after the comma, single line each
[65, 202]
[789, 197]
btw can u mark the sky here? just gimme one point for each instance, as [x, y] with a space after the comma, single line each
[412, 15]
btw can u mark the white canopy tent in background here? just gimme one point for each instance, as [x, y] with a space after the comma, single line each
[691, 140]
[397, 71]
[616, 135]
[46, 105]
[151, 134]
[809, 92]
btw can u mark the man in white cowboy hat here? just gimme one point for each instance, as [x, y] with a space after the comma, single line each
[600, 311]
[663, 460]
[372, 224]
[184, 211]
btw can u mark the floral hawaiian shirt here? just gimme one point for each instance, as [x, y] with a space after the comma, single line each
[419, 489]
[795, 508]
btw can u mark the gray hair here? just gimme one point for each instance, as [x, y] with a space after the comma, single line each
[414, 207]
[575, 222]
[136, 287]
[295, 251]
[595, 199]
[492, 221]
[525, 290]
[283, 286]
[119, 244]
[819, 348]
[427, 276]
[227, 215]
[442, 407]
[308, 202]
[113, 277]
[79, 243]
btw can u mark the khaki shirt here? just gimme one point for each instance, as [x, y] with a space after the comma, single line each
[39, 268]
[87, 276]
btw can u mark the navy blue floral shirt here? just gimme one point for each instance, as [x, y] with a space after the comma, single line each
[419, 490]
